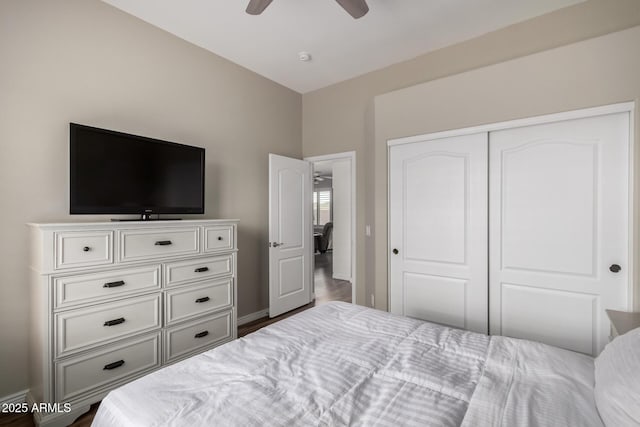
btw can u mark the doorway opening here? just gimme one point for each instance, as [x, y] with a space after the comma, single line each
[334, 214]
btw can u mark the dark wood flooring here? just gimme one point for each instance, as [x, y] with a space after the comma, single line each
[326, 289]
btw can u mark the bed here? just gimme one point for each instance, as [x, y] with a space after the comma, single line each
[340, 364]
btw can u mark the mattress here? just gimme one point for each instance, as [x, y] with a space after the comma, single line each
[340, 364]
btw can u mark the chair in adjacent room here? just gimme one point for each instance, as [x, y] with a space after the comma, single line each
[324, 242]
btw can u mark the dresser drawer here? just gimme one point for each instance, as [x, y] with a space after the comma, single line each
[83, 249]
[197, 269]
[88, 288]
[86, 327]
[218, 238]
[106, 368]
[187, 338]
[191, 301]
[137, 245]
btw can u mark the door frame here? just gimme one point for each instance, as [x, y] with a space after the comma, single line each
[623, 107]
[351, 156]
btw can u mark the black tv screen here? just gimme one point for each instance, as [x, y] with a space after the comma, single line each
[118, 173]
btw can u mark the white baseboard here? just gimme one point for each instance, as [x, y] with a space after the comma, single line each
[253, 316]
[19, 397]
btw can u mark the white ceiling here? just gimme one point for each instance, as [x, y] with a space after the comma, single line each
[324, 168]
[340, 46]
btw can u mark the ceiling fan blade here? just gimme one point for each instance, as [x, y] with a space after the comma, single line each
[256, 7]
[355, 8]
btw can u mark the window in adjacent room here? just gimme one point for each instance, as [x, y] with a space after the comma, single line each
[322, 209]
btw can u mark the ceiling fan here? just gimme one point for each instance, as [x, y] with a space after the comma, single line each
[319, 178]
[355, 8]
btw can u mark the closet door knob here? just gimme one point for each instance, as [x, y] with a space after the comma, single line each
[86, 249]
[395, 251]
[615, 268]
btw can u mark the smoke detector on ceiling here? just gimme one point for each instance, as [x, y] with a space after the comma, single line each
[304, 56]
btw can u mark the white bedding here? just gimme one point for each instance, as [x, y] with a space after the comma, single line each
[341, 364]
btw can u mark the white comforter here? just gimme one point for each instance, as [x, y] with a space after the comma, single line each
[341, 364]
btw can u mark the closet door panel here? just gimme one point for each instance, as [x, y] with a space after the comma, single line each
[558, 221]
[549, 211]
[569, 320]
[435, 208]
[438, 226]
[435, 298]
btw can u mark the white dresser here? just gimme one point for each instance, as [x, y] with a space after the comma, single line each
[113, 301]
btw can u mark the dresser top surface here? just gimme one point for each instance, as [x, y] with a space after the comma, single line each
[132, 224]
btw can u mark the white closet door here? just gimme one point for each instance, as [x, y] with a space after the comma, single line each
[438, 227]
[558, 228]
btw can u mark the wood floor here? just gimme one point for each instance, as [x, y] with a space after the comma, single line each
[326, 289]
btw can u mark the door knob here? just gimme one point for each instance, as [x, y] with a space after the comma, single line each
[614, 268]
[395, 251]
[276, 244]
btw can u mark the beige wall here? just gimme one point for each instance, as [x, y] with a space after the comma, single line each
[591, 73]
[84, 61]
[342, 117]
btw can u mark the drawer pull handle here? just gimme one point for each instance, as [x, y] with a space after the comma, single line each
[202, 269]
[86, 249]
[219, 237]
[113, 284]
[201, 334]
[163, 242]
[204, 299]
[113, 365]
[114, 322]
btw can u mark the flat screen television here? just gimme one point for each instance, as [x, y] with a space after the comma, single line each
[118, 173]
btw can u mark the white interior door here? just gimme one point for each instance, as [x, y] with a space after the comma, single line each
[559, 226]
[290, 234]
[438, 231]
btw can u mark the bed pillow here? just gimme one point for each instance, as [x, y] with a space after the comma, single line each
[617, 374]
